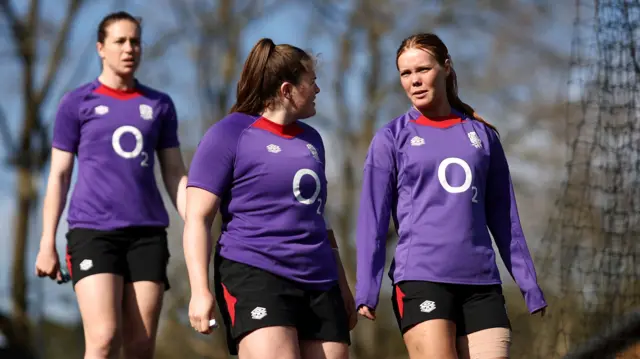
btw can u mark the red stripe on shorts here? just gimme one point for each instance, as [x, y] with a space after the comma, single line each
[400, 301]
[68, 259]
[231, 304]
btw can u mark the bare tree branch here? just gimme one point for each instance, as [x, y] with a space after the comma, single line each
[80, 68]
[31, 30]
[16, 25]
[161, 44]
[5, 133]
[328, 16]
[223, 61]
[31, 149]
[213, 34]
[59, 50]
[182, 13]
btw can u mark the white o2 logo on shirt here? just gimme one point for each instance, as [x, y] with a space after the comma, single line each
[137, 150]
[297, 178]
[468, 177]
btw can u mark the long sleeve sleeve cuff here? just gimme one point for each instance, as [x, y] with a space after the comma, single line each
[535, 300]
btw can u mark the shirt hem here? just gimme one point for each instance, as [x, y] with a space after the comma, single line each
[322, 285]
[164, 147]
[205, 187]
[103, 227]
[63, 148]
[448, 280]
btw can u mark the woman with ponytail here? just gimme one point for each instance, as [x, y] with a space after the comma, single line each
[278, 277]
[440, 172]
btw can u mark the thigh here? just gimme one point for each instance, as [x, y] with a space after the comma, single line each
[491, 343]
[275, 342]
[100, 302]
[251, 299]
[483, 307]
[427, 313]
[433, 339]
[324, 319]
[147, 255]
[142, 304]
[92, 252]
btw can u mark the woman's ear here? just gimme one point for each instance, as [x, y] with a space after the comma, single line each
[286, 90]
[447, 66]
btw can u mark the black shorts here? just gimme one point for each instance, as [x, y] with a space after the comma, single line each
[471, 307]
[135, 253]
[250, 298]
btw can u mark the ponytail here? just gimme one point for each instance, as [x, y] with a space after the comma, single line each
[456, 103]
[267, 67]
[250, 92]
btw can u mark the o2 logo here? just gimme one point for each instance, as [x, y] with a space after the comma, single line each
[297, 178]
[468, 177]
[137, 150]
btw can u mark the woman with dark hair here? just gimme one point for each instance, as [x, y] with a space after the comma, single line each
[278, 276]
[117, 251]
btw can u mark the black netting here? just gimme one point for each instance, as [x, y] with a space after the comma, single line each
[589, 257]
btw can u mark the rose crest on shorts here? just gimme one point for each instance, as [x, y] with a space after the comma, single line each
[86, 264]
[427, 306]
[258, 313]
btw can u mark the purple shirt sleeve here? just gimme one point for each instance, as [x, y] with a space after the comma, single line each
[213, 162]
[66, 130]
[169, 127]
[503, 221]
[376, 200]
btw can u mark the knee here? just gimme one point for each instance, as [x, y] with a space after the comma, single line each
[326, 350]
[102, 343]
[139, 348]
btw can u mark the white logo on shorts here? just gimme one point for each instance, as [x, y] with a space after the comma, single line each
[86, 264]
[258, 313]
[427, 306]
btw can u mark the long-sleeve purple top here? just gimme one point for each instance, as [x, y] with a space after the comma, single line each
[446, 183]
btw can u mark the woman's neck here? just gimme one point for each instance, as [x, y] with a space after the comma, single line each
[441, 110]
[278, 116]
[116, 82]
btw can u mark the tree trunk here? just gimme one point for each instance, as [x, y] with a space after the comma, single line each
[25, 198]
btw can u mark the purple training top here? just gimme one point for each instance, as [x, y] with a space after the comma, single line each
[115, 135]
[444, 182]
[272, 185]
